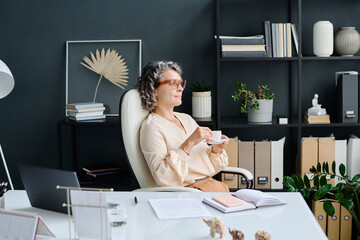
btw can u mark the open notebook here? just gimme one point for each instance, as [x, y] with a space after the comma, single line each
[243, 199]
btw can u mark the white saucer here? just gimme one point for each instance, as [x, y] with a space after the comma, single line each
[218, 142]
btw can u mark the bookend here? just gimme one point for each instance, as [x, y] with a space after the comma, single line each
[68, 205]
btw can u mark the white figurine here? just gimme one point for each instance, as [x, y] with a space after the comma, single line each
[216, 226]
[316, 107]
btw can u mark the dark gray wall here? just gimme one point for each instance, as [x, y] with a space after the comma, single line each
[32, 44]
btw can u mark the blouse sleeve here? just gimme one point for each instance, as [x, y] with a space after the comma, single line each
[169, 168]
[218, 160]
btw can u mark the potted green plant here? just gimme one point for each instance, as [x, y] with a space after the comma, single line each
[346, 192]
[258, 105]
[201, 99]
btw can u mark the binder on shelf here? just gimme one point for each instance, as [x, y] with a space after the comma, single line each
[22, 225]
[277, 164]
[340, 157]
[309, 155]
[353, 156]
[333, 223]
[345, 224]
[347, 93]
[246, 159]
[319, 213]
[262, 164]
[327, 152]
[232, 151]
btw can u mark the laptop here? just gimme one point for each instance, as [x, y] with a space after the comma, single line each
[40, 185]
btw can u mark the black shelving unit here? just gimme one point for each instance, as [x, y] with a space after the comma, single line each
[298, 77]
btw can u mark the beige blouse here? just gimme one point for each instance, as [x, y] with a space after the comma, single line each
[160, 140]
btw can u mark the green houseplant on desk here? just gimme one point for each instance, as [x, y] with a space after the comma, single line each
[346, 193]
[258, 105]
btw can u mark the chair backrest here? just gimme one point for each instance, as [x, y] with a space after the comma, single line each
[131, 116]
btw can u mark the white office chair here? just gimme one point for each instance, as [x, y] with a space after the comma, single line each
[131, 116]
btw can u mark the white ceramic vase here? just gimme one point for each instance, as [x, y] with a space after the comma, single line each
[323, 38]
[264, 114]
[201, 104]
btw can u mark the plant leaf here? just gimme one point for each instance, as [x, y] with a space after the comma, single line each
[329, 208]
[323, 180]
[333, 167]
[316, 182]
[355, 178]
[108, 64]
[348, 204]
[306, 181]
[318, 167]
[327, 167]
[313, 169]
[322, 191]
[342, 169]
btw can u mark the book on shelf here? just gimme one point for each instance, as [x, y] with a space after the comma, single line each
[102, 173]
[85, 110]
[317, 119]
[244, 37]
[295, 38]
[243, 54]
[280, 27]
[86, 114]
[76, 118]
[235, 41]
[84, 105]
[268, 43]
[101, 168]
[243, 199]
[249, 48]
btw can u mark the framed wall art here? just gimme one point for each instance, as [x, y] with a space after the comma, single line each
[101, 71]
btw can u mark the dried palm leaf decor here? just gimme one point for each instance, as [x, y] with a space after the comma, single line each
[109, 65]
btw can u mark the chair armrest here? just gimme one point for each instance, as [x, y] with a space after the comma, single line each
[239, 171]
[167, 189]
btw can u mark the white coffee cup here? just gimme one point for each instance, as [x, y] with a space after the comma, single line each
[216, 135]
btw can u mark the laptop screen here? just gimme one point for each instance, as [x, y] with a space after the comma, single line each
[40, 185]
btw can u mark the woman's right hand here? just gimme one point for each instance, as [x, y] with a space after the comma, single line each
[200, 134]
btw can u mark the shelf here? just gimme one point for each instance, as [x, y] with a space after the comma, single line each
[306, 125]
[236, 122]
[234, 59]
[332, 58]
[109, 120]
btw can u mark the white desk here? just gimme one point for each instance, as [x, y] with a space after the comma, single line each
[291, 221]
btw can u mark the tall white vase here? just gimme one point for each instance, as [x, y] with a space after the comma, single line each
[201, 104]
[323, 33]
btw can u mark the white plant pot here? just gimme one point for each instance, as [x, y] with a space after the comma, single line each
[264, 114]
[201, 104]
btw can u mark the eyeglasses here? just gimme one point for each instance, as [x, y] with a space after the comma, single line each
[174, 83]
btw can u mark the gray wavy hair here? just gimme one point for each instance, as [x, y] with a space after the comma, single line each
[149, 81]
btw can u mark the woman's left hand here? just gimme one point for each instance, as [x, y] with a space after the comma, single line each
[218, 148]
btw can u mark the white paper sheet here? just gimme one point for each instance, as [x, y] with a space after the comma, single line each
[174, 208]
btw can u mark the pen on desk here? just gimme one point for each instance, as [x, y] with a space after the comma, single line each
[136, 201]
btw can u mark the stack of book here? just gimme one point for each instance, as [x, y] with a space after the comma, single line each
[250, 46]
[85, 111]
[317, 119]
[102, 169]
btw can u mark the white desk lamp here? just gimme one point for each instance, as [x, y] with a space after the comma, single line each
[6, 86]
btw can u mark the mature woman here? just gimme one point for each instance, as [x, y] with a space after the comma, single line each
[173, 144]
